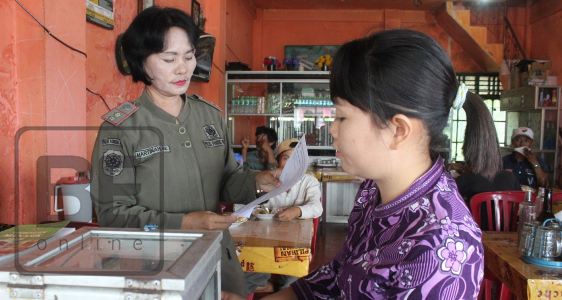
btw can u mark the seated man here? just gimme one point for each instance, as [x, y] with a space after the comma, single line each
[263, 158]
[529, 169]
[301, 201]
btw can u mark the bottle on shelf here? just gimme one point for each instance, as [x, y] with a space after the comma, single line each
[240, 105]
[254, 104]
[250, 105]
[233, 105]
[527, 212]
[245, 104]
[260, 107]
[546, 212]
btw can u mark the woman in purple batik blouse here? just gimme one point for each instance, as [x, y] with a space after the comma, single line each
[410, 234]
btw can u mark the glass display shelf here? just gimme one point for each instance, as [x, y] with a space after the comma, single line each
[292, 103]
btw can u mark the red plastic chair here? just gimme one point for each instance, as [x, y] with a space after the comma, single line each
[314, 233]
[506, 208]
[556, 197]
[227, 207]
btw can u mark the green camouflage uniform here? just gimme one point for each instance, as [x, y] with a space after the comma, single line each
[141, 148]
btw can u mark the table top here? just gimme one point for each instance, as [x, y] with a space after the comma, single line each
[273, 233]
[503, 260]
[332, 174]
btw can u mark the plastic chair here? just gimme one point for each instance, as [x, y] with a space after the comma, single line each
[313, 241]
[314, 233]
[506, 208]
[556, 200]
[227, 207]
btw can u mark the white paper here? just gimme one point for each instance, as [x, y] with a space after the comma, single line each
[293, 171]
[521, 149]
[558, 215]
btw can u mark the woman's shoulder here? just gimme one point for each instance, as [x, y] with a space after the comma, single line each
[447, 199]
[203, 103]
[120, 114]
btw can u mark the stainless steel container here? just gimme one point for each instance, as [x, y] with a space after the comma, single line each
[548, 242]
[109, 263]
[528, 233]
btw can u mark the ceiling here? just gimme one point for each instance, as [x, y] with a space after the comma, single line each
[427, 5]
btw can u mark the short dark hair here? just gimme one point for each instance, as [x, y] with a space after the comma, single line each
[401, 72]
[147, 35]
[271, 134]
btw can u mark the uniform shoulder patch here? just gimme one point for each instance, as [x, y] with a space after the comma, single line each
[197, 97]
[120, 113]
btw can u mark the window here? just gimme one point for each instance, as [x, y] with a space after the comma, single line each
[488, 86]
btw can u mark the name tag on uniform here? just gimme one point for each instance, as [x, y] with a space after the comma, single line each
[213, 143]
[213, 136]
[147, 152]
[110, 141]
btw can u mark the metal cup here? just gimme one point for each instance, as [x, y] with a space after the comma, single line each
[527, 239]
[548, 243]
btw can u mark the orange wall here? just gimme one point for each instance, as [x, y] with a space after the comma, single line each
[276, 28]
[42, 85]
[9, 92]
[546, 34]
[239, 39]
[518, 18]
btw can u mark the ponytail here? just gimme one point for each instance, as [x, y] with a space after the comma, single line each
[481, 148]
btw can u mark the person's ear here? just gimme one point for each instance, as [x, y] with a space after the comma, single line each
[402, 129]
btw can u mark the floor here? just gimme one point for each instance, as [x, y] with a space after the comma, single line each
[327, 247]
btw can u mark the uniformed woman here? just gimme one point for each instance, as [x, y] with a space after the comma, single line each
[165, 159]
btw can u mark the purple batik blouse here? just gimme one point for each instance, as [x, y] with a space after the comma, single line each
[422, 245]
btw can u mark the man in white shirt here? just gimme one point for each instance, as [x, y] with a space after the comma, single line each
[303, 199]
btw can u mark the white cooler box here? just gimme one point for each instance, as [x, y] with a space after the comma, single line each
[111, 263]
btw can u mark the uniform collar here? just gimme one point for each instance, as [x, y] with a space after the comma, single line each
[146, 102]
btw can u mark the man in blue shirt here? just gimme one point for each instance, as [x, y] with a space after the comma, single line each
[263, 158]
[529, 169]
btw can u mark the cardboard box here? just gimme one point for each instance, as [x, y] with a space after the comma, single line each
[530, 72]
[538, 65]
[534, 74]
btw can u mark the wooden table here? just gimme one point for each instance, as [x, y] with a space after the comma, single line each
[332, 175]
[270, 246]
[526, 281]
